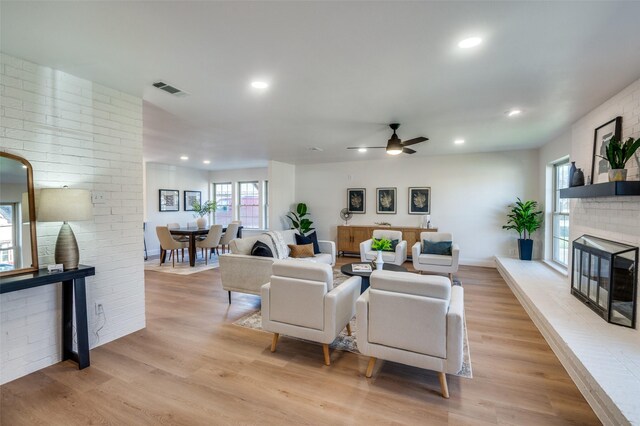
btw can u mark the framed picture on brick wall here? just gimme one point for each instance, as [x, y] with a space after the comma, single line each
[169, 200]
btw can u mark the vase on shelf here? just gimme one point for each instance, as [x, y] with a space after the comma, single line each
[617, 175]
[578, 178]
[572, 171]
[379, 261]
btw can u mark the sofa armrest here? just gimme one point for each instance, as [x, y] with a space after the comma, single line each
[365, 246]
[340, 304]
[455, 330]
[362, 322]
[455, 253]
[401, 252]
[328, 247]
[244, 273]
[415, 251]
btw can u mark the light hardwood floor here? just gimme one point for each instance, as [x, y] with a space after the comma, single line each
[192, 366]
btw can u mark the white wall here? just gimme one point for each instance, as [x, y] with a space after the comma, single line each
[163, 176]
[282, 193]
[77, 133]
[550, 153]
[613, 218]
[469, 195]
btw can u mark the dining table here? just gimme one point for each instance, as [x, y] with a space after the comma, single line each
[193, 234]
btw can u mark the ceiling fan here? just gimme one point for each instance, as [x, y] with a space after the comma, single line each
[395, 146]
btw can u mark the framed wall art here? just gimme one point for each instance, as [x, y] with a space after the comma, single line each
[386, 200]
[169, 200]
[357, 200]
[420, 200]
[602, 136]
[191, 197]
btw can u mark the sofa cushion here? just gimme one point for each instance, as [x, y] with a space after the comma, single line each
[298, 251]
[435, 259]
[387, 256]
[261, 249]
[312, 238]
[441, 247]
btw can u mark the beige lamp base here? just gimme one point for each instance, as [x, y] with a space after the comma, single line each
[67, 248]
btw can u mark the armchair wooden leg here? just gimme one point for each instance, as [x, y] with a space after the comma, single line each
[274, 342]
[443, 385]
[325, 351]
[372, 363]
[173, 259]
[348, 329]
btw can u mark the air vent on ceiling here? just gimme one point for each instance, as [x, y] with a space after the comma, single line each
[170, 89]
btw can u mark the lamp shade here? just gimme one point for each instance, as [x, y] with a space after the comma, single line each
[64, 204]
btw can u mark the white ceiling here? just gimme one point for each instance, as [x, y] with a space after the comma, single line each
[339, 71]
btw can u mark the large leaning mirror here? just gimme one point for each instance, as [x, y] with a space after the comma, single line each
[18, 249]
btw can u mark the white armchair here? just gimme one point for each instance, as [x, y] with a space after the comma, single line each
[300, 301]
[435, 262]
[397, 257]
[412, 319]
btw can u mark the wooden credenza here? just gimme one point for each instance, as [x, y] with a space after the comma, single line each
[350, 237]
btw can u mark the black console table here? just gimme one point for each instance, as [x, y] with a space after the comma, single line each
[73, 295]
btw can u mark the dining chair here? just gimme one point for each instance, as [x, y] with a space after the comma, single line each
[180, 238]
[230, 234]
[168, 243]
[211, 242]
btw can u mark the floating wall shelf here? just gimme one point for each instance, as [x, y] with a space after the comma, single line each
[607, 189]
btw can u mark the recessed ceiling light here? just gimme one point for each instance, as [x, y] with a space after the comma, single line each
[459, 141]
[206, 162]
[259, 84]
[362, 149]
[514, 112]
[469, 42]
[184, 157]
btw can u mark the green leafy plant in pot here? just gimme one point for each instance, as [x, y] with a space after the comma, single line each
[617, 153]
[525, 219]
[298, 220]
[380, 245]
[201, 210]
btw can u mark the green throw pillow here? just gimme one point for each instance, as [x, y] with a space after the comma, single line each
[442, 248]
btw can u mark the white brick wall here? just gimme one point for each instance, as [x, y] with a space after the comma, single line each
[613, 218]
[77, 133]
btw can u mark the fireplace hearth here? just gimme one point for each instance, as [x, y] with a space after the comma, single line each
[605, 276]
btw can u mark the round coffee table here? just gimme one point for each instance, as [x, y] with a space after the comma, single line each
[346, 269]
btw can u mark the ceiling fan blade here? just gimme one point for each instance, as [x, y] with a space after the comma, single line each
[367, 147]
[414, 141]
[408, 151]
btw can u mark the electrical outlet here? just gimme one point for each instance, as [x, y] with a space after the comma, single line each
[99, 308]
[98, 197]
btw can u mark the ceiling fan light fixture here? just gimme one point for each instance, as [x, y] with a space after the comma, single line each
[362, 149]
[394, 147]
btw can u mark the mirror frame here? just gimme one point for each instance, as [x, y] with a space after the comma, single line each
[32, 218]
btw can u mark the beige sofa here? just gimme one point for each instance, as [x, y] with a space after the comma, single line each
[244, 273]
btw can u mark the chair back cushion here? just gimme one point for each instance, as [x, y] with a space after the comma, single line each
[297, 293]
[435, 237]
[166, 239]
[442, 248]
[434, 286]
[388, 234]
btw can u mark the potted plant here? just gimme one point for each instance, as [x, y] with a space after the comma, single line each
[617, 154]
[201, 210]
[525, 219]
[383, 244]
[298, 220]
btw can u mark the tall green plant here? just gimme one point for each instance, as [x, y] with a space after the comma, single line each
[524, 218]
[299, 221]
[618, 153]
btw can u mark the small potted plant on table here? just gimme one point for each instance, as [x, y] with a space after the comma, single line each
[201, 210]
[383, 244]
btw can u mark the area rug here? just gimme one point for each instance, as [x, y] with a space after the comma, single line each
[348, 343]
[181, 268]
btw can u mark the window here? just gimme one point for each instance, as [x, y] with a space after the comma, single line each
[560, 227]
[265, 203]
[223, 196]
[249, 204]
[8, 236]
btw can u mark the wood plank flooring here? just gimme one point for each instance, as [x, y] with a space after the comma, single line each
[192, 366]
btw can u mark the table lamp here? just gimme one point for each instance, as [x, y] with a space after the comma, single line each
[64, 205]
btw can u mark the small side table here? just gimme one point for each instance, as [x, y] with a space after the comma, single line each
[346, 269]
[73, 296]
